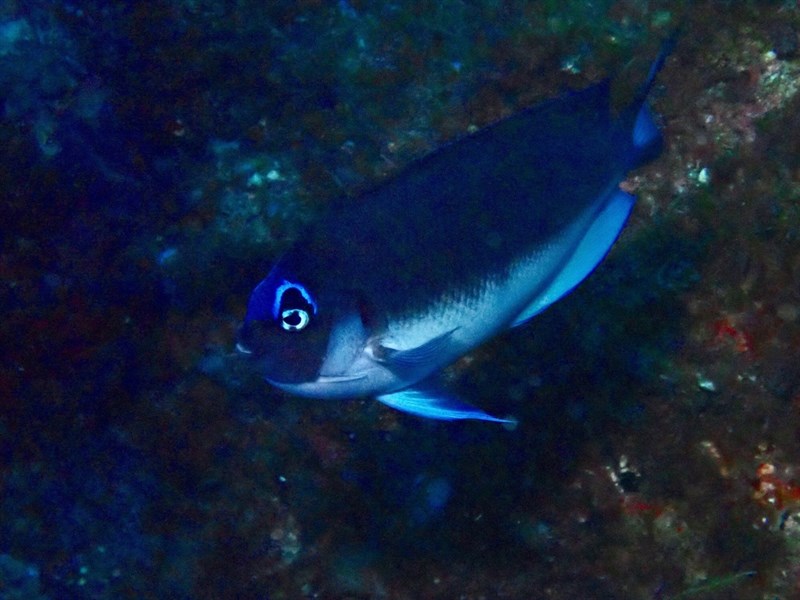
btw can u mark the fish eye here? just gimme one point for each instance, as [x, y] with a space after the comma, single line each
[294, 319]
[294, 306]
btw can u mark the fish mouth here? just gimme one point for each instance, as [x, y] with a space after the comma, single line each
[242, 349]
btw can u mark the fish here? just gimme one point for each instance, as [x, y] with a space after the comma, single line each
[476, 237]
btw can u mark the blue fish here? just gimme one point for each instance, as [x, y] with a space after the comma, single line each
[476, 237]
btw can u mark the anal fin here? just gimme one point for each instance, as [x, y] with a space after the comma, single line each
[591, 249]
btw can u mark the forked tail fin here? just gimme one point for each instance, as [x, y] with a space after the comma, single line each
[645, 135]
[666, 49]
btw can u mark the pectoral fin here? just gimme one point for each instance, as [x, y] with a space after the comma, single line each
[435, 405]
[413, 357]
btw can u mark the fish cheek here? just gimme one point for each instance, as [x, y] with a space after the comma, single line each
[293, 356]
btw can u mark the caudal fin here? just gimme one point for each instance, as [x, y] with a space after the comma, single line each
[645, 136]
[666, 49]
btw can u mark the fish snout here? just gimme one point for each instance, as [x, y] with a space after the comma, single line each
[250, 339]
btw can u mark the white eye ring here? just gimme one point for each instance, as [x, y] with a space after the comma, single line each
[300, 314]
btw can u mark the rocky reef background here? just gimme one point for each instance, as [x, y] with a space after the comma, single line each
[156, 157]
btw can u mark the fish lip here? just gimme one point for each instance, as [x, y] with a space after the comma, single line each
[242, 349]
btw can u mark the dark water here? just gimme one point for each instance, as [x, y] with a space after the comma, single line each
[156, 157]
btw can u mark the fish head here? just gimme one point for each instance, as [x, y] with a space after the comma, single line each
[310, 342]
[283, 330]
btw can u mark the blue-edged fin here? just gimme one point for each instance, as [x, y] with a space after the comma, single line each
[645, 132]
[646, 138]
[590, 251]
[435, 405]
